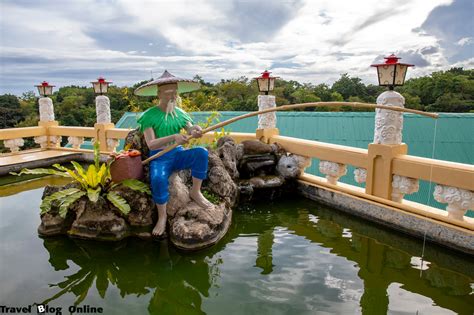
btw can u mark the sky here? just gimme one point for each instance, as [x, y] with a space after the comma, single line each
[72, 42]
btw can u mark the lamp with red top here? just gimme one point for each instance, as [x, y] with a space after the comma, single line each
[265, 82]
[391, 73]
[100, 86]
[45, 89]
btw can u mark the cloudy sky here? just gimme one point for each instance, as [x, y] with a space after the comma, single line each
[74, 41]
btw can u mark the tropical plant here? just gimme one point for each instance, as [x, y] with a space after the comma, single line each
[95, 182]
[212, 119]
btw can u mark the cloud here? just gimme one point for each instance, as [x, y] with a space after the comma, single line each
[304, 40]
[465, 41]
[429, 50]
[255, 21]
[453, 25]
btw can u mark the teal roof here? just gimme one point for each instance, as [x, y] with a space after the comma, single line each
[454, 139]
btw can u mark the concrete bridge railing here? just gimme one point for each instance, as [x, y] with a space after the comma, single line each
[387, 171]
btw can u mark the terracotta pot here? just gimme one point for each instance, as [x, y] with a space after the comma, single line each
[127, 167]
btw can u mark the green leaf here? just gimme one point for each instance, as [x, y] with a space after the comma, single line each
[93, 194]
[92, 179]
[96, 154]
[119, 202]
[67, 201]
[137, 185]
[46, 203]
[40, 171]
[79, 169]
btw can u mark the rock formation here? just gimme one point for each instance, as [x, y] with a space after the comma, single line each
[237, 172]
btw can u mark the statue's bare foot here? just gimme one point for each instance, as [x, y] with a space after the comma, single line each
[200, 199]
[159, 228]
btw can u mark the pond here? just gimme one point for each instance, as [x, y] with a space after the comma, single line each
[291, 256]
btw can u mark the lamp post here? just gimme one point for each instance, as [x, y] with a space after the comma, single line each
[387, 144]
[46, 115]
[44, 89]
[265, 82]
[391, 73]
[389, 124]
[46, 108]
[100, 86]
[266, 122]
[102, 102]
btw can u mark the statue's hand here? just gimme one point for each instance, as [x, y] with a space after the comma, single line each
[180, 139]
[196, 132]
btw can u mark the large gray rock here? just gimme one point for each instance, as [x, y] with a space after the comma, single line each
[292, 166]
[195, 228]
[192, 227]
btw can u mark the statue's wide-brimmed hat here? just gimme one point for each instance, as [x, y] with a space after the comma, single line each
[151, 88]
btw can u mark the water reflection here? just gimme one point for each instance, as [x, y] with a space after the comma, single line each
[135, 268]
[289, 257]
[179, 283]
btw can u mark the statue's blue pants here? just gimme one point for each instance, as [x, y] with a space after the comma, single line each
[175, 160]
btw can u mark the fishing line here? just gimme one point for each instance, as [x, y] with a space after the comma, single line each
[428, 201]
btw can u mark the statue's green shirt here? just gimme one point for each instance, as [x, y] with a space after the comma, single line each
[164, 125]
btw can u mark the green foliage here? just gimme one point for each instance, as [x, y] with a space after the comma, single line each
[95, 182]
[448, 91]
[136, 185]
[61, 197]
[119, 202]
[212, 119]
[10, 111]
[211, 197]
[67, 201]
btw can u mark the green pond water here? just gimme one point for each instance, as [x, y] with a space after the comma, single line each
[284, 257]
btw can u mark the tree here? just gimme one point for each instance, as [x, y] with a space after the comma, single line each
[347, 86]
[10, 111]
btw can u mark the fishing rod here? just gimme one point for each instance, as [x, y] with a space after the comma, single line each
[290, 107]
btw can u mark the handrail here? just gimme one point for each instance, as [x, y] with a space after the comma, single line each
[323, 151]
[86, 132]
[25, 132]
[438, 171]
[117, 133]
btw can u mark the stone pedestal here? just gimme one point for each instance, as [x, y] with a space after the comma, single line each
[389, 124]
[266, 122]
[46, 109]
[102, 107]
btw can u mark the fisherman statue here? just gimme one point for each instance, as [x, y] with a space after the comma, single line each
[161, 126]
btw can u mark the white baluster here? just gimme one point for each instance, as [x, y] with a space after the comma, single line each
[42, 141]
[402, 186]
[14, 144]
[360, 175]
[458, 200]
[75, 141]
[112, 144]
[332, 170]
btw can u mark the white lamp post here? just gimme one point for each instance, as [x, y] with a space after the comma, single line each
[266, 84]
[102, 102]
[46, 108]
[389, 124]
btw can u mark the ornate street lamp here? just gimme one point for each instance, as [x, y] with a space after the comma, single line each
[100, 86]
[391, 73]
[44, 89]
[265, 82]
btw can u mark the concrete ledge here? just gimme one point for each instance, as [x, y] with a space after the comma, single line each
[454, 237]
[39, 159]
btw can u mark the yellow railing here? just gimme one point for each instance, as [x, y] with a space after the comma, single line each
[379, 163]
[450, 174]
